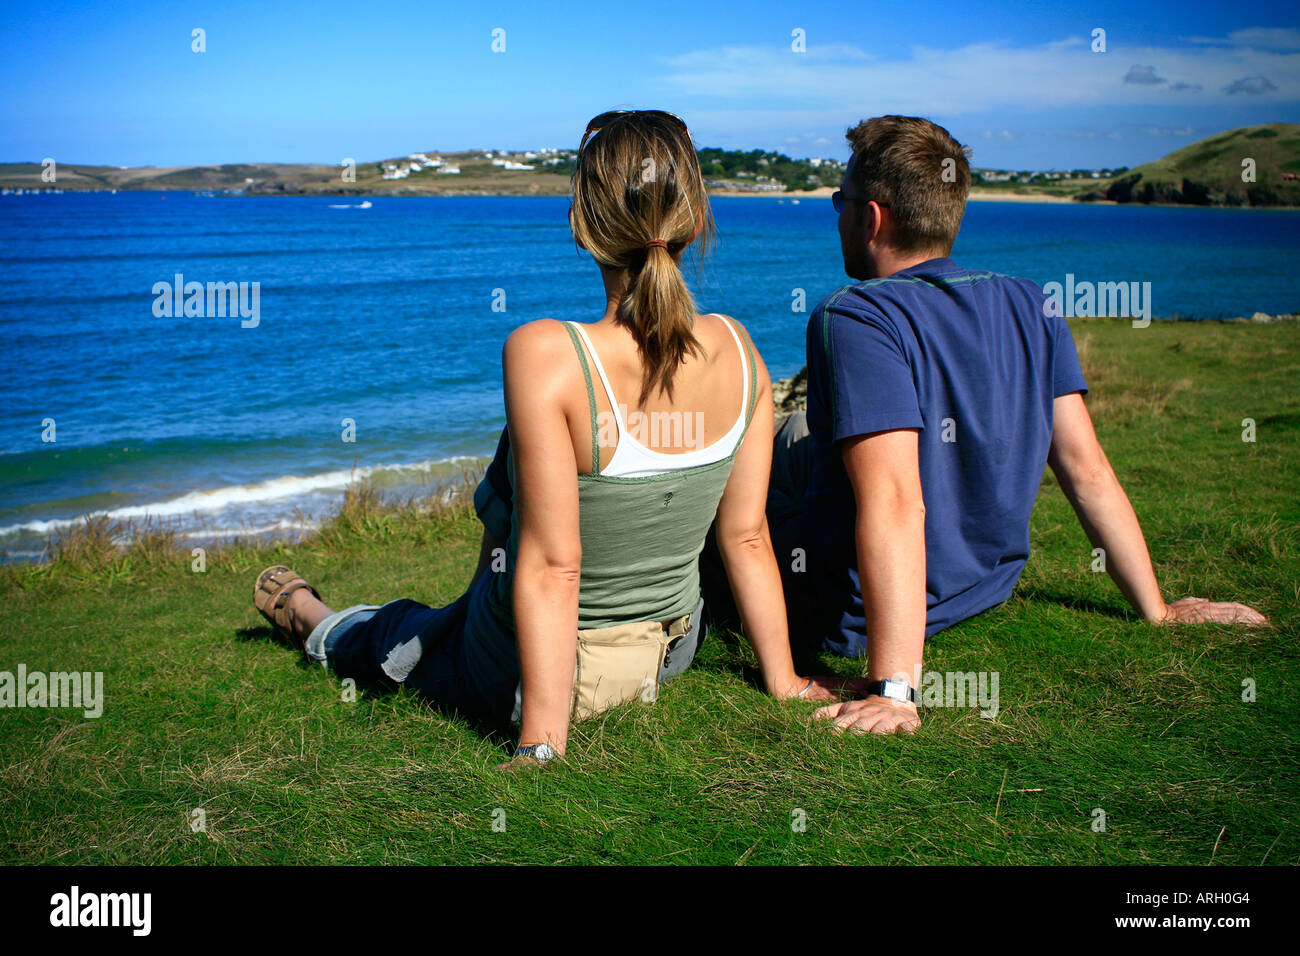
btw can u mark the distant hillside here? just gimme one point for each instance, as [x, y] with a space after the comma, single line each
[1208, 173]
[469, 172]
[478, 175]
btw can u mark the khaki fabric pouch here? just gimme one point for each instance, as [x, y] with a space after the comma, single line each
[621, 663]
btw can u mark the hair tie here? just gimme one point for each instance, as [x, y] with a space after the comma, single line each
[657, 243]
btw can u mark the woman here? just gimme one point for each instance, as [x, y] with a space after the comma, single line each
[588, 587]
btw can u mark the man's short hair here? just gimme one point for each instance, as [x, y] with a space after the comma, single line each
[919, 171]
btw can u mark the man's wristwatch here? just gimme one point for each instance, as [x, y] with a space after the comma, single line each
[899, 690]
[539, 752]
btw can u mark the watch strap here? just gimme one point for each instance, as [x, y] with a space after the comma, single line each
[877, 689]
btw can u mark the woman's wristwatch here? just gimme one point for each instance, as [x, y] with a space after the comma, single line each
[539, 752]
[899, 690]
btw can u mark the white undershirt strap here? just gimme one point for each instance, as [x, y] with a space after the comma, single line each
[632, 458]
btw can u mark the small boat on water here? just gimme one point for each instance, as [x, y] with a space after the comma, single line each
[343, 205]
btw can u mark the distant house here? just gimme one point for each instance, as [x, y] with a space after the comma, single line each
[449, 170]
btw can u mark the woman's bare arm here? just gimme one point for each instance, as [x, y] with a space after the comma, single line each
[746, 549]
[549, 564]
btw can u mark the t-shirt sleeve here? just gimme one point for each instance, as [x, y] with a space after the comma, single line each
[869, 383]
[1067, 375]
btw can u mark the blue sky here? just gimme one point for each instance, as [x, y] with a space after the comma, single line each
[117, 82]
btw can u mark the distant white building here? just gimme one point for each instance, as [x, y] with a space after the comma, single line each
[449, 170]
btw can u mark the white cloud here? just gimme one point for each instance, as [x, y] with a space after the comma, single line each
[1258, 38]
[833, 79]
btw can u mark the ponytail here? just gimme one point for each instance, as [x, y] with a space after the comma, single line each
[660, 311]
[638, 176]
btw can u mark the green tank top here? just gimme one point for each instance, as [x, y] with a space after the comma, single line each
[641, 537]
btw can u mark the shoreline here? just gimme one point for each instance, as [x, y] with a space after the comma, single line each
[976, 195]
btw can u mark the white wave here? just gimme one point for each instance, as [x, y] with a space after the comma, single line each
[231, 496]
[284, 524]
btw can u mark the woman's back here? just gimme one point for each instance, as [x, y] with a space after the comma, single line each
[642, 526]
[701, 421]
[709, 397]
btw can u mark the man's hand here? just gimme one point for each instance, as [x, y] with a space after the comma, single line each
[823, 688]
[1194, 610]
[874, 715]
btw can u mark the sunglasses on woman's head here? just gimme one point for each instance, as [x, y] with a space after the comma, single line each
[604, 119]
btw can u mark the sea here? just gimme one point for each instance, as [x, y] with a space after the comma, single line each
[370, 339]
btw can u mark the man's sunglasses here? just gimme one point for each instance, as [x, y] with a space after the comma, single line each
[838, 199]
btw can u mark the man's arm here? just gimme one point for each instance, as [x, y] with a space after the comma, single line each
[1107, 516]
[885, 473]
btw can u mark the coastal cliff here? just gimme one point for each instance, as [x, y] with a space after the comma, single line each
[1251, 166]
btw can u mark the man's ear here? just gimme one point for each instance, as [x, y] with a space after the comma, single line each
[876, 215]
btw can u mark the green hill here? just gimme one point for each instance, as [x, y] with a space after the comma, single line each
[1209, 172]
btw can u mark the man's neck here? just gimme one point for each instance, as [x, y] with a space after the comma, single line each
[887, 261]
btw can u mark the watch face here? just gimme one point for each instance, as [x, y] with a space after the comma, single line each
[543, 752]
[895, 689]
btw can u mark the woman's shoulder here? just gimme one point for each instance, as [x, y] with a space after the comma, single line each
[540, 354]
[538, 339]
[725, 319]
[748, 346]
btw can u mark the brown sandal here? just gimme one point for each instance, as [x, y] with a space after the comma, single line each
[271, 598]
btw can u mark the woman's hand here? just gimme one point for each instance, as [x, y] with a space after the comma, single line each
[821, 688]
[526, 761]
[521, 763]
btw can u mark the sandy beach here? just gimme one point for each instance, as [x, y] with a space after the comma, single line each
[976, 195]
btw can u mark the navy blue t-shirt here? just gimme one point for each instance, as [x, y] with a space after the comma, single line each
[973, 361]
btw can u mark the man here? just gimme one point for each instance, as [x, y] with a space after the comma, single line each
[900, 505]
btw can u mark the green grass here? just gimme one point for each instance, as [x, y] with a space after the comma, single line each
[1098, 710]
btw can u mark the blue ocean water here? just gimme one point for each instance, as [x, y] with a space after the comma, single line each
[393, 317]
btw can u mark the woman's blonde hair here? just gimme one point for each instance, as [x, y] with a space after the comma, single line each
[638, 201]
